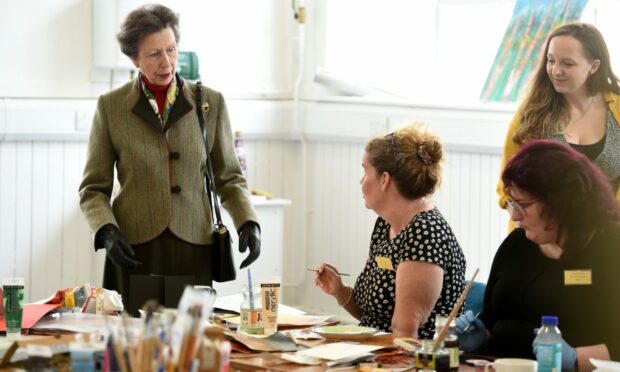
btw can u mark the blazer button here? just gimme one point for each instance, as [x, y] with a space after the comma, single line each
[175, 189]
[174, 155]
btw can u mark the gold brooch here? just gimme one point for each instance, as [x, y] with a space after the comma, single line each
[205, 107]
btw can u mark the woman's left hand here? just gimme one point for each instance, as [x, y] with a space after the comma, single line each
[249, 237]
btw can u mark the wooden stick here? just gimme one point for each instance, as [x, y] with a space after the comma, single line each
[454, 311]
[120, 356]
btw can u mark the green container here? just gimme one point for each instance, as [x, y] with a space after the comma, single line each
[187, 65]
[13, 301]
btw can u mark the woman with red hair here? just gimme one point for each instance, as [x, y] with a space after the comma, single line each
[562, 259]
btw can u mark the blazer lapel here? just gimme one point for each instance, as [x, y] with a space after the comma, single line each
[181, 107]
[143, 109]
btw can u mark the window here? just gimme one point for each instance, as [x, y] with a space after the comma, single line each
[429, 51]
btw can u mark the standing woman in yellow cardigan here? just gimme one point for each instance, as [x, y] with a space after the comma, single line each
[573, 98]
[147, 132]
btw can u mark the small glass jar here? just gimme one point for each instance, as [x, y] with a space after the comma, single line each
[251, 312]
[442, 359]
[451, 340]
[425, 357]
[429, 358]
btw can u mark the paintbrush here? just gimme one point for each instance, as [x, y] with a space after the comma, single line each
[455, 310]
[317, 270]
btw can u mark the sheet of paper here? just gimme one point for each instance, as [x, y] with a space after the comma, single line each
[275, 342]
[290, 320]
[301, 359]
[32, 313]
[338, 350]
[283, 309]
[85, 323]
[233, 303]
[230, 303]
[301, 320]
[605, 365]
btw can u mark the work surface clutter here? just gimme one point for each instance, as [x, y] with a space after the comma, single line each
[205, 333]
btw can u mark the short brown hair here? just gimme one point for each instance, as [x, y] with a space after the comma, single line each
[412, 156]
[145, 20]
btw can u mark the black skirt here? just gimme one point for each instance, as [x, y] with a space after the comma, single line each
[165, 255]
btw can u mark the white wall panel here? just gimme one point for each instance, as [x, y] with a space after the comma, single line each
[339, 224]
[23, 207]
[54, 254]
[39, 286]
[468, 201]
[316, 164]
[8, 201]
[275, 166]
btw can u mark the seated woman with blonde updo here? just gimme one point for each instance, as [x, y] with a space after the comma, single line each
[415, 268]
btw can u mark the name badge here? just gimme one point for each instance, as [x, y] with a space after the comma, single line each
[384, 263]
[577, 277]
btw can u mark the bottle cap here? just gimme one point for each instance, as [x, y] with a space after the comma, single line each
[549, 320]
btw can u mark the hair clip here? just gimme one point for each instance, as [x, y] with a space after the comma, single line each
[424, 156]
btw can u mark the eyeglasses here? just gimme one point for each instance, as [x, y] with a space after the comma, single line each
[519, 207]
[391, 135]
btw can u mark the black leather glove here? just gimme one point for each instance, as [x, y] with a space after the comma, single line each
[117, 247]
[249, 237]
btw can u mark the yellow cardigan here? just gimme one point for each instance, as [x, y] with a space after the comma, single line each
[511, 148]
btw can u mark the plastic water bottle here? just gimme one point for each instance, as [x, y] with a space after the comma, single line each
[548, 343]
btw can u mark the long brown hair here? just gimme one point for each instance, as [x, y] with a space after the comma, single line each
[543, 107]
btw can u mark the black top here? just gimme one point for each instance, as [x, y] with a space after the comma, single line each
[428, 238]
[524, 284]
[592, 152]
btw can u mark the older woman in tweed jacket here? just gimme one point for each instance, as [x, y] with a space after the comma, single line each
[148, 131]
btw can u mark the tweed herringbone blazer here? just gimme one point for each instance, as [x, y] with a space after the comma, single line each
[161, 171]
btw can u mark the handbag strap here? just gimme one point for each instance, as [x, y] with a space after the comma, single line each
[210, 180]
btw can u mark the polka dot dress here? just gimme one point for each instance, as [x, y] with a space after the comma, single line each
[428, 238]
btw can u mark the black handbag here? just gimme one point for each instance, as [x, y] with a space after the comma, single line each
[223, 266]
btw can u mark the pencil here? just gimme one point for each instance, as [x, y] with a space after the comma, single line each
[316, 271]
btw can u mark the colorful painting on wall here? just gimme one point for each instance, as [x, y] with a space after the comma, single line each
[532, 21]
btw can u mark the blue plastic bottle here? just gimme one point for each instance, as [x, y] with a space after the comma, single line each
[548, 343]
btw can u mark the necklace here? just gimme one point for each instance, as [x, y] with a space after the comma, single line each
[568, 132]
[592, 99]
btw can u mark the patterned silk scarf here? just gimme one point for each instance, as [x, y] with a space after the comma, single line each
[171, 97]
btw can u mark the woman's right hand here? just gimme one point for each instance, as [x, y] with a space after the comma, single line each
[472, 332]
[328, 279]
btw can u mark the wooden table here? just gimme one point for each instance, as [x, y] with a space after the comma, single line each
[272, 362]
